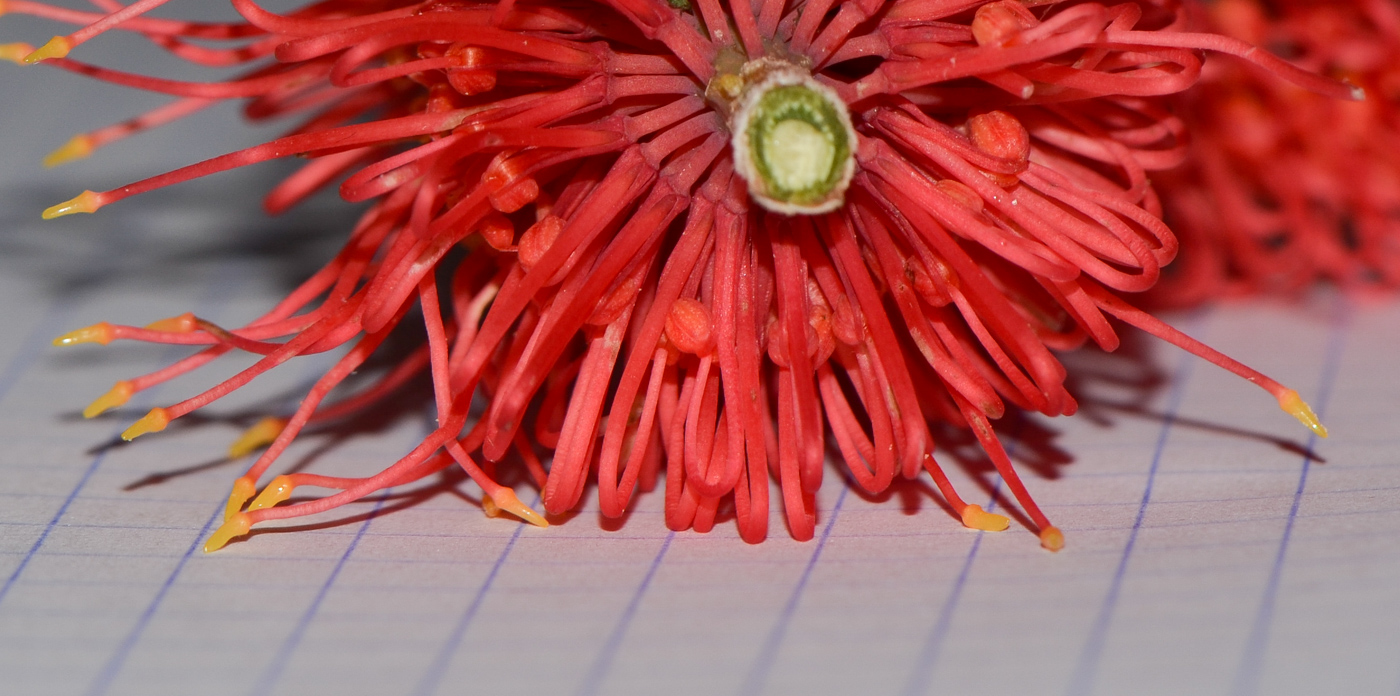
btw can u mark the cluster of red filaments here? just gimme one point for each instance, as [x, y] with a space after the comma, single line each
[1286, 187]
[556, 200]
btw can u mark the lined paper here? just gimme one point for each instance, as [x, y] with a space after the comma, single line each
[1214, 547]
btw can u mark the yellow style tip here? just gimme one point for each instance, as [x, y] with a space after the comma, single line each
[279, 490]
[77, 147]
[1052, 539]
[260, 435]
[232, 528]
[119, 394]
[85, 202]
[505, 499]
[184, 323]
[243, 489]
[101, 332]
[57, 47]
[974, 517]
[152, 422]
[15, 52]
[1296, 407]
[488, 506]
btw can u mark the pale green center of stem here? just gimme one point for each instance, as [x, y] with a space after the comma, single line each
[797, 155]
[792, 140]
[798, 144]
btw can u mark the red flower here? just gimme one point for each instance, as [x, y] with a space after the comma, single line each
[702, 235]
[1285, 187]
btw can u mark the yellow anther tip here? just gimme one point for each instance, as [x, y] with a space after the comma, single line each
[101, 332]
[279, 490]
[974, 517]
[243, 489]
[152, 422]
[15, 52]
[260, 435]
[488, 506]
[85, 202]
[1052, 539]
[1294, 405]
[184, 323]
[232, 528]
[57, 47]
[77, 147]
[506, 499]
[119, 394]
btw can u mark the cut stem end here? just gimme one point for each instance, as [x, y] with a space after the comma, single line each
[792, 137]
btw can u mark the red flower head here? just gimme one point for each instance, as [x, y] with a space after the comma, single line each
[702, 235]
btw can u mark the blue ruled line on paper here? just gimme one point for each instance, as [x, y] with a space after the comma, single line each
[103, 683]
[59, 312]
[218, 292]
[53, 522]
[1086, 669]
[922, 673]
[273, 672]
[594, 679]
[758, 675]
[1251, 664]
[918, 681]
[112, 668]
[438, 668]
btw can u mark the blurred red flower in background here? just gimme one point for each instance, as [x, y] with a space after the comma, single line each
[1284, 187]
